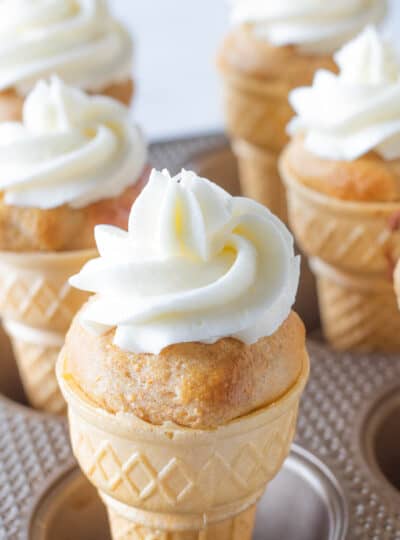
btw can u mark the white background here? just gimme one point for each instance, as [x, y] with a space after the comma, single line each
[176, 43]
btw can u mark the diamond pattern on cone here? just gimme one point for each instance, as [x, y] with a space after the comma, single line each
[257, 111]
[359, 317]
[259, 177]
[34, 288]
[141, 478]
[38, 302]
[353, 248]
[37, 299]
[350, 236]
[171, 482]
[36, 364]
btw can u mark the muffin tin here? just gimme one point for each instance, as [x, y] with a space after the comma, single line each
[341, 480]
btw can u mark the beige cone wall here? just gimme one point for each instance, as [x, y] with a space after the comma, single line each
[171, 482]
[353, 248]
[257, 113]
[37, 306]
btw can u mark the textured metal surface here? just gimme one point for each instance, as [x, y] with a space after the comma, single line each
[340, 396]
[174, 155]
[32, 447]
[339, 407]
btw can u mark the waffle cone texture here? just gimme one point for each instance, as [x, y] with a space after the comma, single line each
[352, 248]
[257, 112]
[167, 482]
[257, 163]
[37, 306]
[256, 109]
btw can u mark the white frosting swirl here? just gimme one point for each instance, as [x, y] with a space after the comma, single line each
[315, 26]
[196, 265]
[70, 148]
[347, 115]
[77, 40]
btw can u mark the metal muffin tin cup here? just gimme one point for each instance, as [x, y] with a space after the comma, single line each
[304, 483]
[341, 481]
[380, 441]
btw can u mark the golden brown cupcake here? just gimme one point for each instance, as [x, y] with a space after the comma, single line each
[188, 358]
[342, 171]
[368, 178]
[272, 49]
[73, 162]
[24, 229]
[191, 384]
[78, 40]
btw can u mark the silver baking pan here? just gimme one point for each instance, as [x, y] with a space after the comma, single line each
[341, 480]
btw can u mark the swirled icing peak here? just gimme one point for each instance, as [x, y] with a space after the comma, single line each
[195, 265]
[70, 148]
[315, 26]
[78, 40]
[347, 115]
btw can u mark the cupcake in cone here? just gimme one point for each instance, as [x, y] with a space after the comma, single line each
[183, 374]
[74, 161]
[276, 46]
[78, 40]
[342, 173]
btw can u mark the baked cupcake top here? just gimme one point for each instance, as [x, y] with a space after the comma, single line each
[78, 40]
[196, 265]
[315, 26]
[70, 149]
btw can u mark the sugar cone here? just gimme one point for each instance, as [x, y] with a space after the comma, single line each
[354, 246]
[257, 80]
[357, 311]
[37, 306]
[170, 482]
[256, 163]
[257, 112]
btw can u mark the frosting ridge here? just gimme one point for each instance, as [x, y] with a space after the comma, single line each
[347, 115]
[195, 265]
[70, 148]
[76, 39]
[314, 26]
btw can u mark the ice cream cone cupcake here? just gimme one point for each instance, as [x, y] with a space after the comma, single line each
[342, 172]
[183, 374]
[77, 40]
[273, 48]
[74, 161]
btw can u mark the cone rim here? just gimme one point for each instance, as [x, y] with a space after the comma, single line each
[129, 426]
[383, 209]
[241, 147]
[45, 257]
[377, 281]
